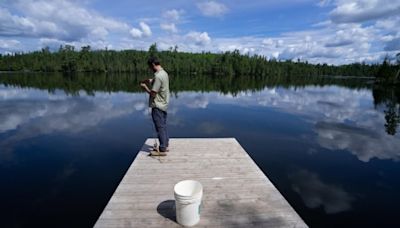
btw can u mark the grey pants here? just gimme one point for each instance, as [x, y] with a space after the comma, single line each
[160, 123]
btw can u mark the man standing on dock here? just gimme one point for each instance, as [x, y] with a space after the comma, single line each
[158, 102]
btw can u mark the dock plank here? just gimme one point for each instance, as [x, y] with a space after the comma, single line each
[236, 191]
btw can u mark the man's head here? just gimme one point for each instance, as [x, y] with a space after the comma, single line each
[153, 63]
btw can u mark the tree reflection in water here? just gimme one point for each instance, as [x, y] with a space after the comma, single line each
[388, 98]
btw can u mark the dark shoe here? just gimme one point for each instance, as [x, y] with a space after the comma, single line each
[157, 149]
[157, 153]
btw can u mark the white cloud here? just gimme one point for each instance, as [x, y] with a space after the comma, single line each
[315, 193]
[173, 14]
[349, 11]
[336, 44]
[325, 2]
[144, 31]
[169, 27]
[13, 25]
[393, 45]
[212, 8]
[59, 19]
[392, 24]
[9, 44]
[52, 43]
[329, 41]
[268, 42]
[198, 38]
[136, 33]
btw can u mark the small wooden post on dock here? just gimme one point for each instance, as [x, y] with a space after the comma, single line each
[236, 191]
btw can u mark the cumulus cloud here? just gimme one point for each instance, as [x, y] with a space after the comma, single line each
[13, 25]
[212, 9]
[325, 2]
[268, 42]
[144, 31]
[169, 27]
[59, 19]
[54, 44]
[9, 44]
[145, 28]
[199, 38]
[393, 45]
[344, 37]
[333, 43]
[339, 43]
[340, 38]
[136, 33]
[315, 193]
[173, 14]
[350, 11]
[308, 52]
[390, 24]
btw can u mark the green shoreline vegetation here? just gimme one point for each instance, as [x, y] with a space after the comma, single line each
[231, 64]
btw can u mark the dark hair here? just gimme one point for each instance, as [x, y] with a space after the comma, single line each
[152, 60]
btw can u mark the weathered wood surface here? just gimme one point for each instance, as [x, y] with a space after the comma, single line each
[236, 191]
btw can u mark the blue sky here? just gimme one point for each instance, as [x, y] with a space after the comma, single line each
[325, 31]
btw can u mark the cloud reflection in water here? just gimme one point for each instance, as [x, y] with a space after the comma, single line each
[343, 119]
[315, 193]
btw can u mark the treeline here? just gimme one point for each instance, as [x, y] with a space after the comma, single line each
[67, 59]
[389, 73]
[127, 82]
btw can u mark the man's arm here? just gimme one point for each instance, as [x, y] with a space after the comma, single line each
[146, 88]
[147, 81]
[155, 87]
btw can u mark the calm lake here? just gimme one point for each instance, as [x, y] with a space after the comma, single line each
[330, 145]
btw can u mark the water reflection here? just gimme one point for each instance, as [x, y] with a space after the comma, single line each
[315, 193]
[366, 142]
[343, 119]
[210, 128]
[388, 98]
[30, 113]
[293, 131]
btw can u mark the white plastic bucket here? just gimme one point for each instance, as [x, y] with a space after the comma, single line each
[188, 195]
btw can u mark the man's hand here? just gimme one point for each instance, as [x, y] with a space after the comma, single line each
[146, 81]
[145, 88]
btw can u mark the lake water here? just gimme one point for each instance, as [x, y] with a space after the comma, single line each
[332, 150]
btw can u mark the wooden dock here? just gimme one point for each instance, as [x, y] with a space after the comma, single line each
[236, 191]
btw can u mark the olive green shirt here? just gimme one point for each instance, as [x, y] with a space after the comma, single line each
[161, 86]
